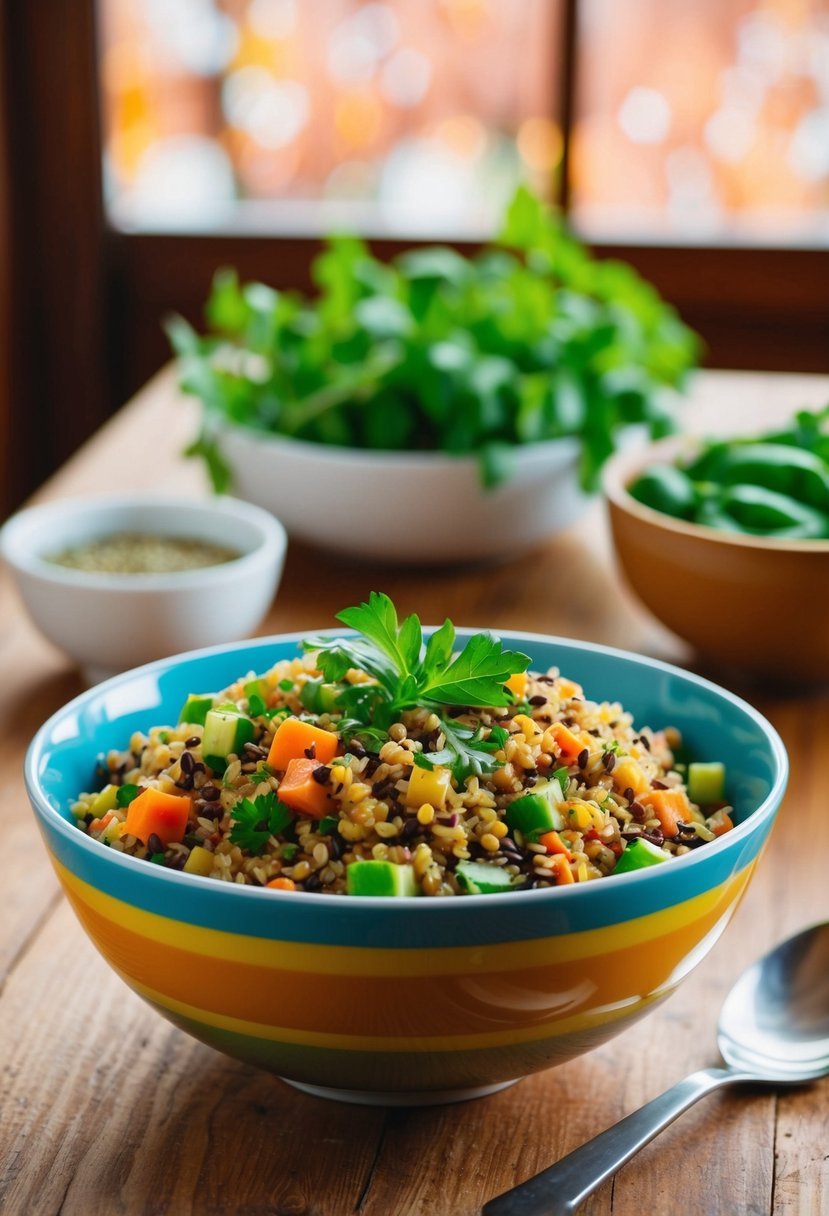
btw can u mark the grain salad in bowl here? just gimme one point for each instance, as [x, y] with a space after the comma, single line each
[374, 765]
[395, 999]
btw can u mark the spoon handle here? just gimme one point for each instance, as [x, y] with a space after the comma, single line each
[559, 1190]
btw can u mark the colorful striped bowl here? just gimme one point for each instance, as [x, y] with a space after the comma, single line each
[395, 1000]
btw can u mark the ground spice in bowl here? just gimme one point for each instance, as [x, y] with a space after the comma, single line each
[142, 553]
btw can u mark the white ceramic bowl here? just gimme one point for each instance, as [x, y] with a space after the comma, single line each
[110, 622]
[411, 507]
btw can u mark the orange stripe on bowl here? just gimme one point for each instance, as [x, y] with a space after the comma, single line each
[391, 1006]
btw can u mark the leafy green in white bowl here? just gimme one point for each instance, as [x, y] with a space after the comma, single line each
[531, 339]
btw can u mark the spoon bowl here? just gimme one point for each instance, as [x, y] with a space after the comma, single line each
[773, 1029]
[775, 1019]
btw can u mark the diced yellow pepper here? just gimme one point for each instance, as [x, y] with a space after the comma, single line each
[517, 683]
[428, 785]
[579, 817]
[629, 775]
[568, 688]
[105, 801]
[200, 861]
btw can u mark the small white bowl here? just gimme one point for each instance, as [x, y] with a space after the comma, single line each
[407, 507]
[111, 622]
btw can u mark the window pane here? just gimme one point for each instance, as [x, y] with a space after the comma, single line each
[412, 117]
[703, 121]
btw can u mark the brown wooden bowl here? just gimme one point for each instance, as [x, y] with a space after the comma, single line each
[757, 603]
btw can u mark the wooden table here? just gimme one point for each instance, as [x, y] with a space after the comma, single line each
[106, 1108]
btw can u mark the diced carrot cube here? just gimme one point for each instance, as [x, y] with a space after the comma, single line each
[669, 806]
[562, 871]
[554, 844]
[568, 744]
[154, 813]
[720, 822]
[301, 792]
[295, 740]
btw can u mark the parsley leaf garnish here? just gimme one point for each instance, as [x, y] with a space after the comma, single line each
[466, 752]
[407, 674]
[255, 820]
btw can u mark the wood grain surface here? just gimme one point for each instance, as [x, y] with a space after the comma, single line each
[105, 1108]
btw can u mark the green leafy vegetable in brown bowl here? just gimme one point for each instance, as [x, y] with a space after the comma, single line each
[774, 485]
[531, 339]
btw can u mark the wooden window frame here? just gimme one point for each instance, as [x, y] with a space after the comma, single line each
[86, 301]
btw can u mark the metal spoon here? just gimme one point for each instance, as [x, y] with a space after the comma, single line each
[773, 1029]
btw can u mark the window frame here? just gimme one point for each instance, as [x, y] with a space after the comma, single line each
[86, 300]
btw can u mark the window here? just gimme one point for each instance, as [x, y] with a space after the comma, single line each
[705, 122]
[413, 118]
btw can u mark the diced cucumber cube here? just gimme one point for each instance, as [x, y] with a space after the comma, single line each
[478, 878]
[225, 734]
[257, 688]
[318, 697]
[538, 812]
[706, 782]
[380, 878]
[195, 709]
[639, 854]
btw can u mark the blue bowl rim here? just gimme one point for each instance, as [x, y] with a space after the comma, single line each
[741, 832]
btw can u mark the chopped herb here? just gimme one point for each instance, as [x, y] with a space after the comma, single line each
[164, 736]
[498, 736]
[408, 675]
[256, 706]
[289, 851]
[286, 685]
[530, 339]
[466, 752]
[328, 824]
[126, 793]
[423, 761]
[255, 820]
[157, 858]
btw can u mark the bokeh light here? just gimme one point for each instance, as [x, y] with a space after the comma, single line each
[257, 112]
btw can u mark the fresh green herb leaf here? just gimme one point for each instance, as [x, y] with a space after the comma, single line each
[477, 675]
[255, 820]
[157, 858]
[286, 685]
[562, 776]
[377, 621]
[530, 339]
[423, 761]
[126, 793]
[289, 851]
[256, 706]
[372, 737]
[164, 736]
[327, 824]
[498, 736]
[464, 752]
[408, 675]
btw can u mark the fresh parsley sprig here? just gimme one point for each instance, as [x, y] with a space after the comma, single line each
[255, 820]
[466, 752]
[409, 674]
